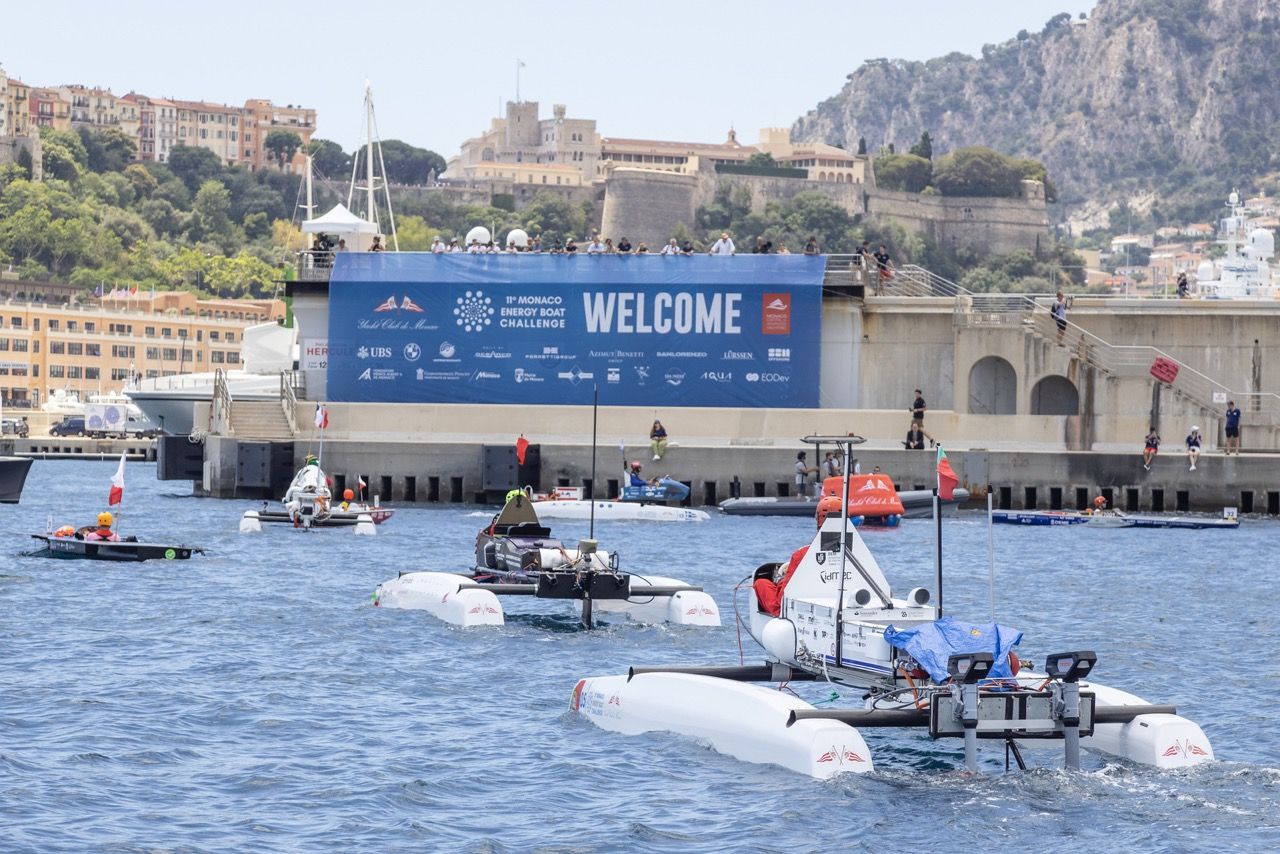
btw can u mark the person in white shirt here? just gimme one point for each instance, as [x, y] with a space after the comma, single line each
[437, 245]
[475, 248]
[511, 246]
[453, 246]
[595, 247]
[672, 248]
[723, 246]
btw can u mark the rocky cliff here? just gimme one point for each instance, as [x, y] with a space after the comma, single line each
[1169, 103]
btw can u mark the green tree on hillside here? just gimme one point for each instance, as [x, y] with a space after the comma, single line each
[282, 146]
[907, 172]
[923, 148]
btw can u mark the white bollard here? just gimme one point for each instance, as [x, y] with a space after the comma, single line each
[250, 523]
[365, 526]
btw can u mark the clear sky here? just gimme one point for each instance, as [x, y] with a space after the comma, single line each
[658, 69]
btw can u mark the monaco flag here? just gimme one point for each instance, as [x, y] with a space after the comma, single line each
[947, 480]
[322, 416]
[117, 485]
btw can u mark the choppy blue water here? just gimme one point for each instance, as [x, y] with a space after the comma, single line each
[253, 699]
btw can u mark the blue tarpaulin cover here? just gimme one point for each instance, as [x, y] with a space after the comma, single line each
[932, 644]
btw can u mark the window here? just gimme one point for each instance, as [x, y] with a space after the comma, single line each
[182, 333]
[199, 334]
[231, 336]
[57, 347]
[73, 372]
[120, 374]
[149, 331]
[90, 326]
[15, 322]
[217, 357]
[121, 351]
[213, 335]
[75, 348]
[199, 356]
[53, 323]
[72, 326]
[153, 352]
[233, 358]
[166, 332]
[56, 371]
[169, 353]
[92, 373]
[93, 349]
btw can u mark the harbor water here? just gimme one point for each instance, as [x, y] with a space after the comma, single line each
[254, 699]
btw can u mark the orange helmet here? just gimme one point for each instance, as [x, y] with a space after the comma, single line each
[635, 465]
[347, 495]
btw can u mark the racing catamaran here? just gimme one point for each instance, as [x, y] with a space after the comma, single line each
[516, 556]
[834, 617]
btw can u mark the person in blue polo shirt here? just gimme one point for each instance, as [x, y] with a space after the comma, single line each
[1233, 428]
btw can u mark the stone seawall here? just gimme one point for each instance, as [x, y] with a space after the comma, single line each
[998, 226]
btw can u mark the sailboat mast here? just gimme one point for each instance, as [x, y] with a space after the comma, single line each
[310, 207]
[370, 211]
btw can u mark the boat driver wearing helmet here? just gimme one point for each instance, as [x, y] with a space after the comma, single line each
[635, 479]
[103, 531]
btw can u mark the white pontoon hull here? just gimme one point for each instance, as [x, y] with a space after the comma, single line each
[441, 595]
[741, 720]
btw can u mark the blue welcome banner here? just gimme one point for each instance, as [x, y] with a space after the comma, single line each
[543, 329]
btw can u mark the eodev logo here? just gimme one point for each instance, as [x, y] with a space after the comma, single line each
[447, 350]
[474, 311]
[775, 314]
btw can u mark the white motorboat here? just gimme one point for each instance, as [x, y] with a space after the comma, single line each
[267, 350]
[308, 503]
[837, 619]
[1244, 271]
[634, 504]
[515, 555]
[63, 402]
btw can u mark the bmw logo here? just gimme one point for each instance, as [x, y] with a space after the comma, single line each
[412, 352]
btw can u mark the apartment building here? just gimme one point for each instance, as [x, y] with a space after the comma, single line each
[48, 108]
[261, 118]
[99, 346]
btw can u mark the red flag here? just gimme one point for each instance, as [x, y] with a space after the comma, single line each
[947, 480]
[522, 445]
[360, 481]
[322, 416]
[117, 485]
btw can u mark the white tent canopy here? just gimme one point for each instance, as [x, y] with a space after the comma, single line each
[339, 220]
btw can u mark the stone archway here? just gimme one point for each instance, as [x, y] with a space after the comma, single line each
[1055, 395]
[993, 387]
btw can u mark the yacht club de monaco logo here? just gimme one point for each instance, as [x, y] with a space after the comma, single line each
[405, 304]
[474, 311]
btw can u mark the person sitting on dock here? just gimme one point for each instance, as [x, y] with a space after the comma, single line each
[657, 439]
[1193, 447]
[103, 531]
[1151, 448]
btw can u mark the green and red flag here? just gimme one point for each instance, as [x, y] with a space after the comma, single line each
[947, 480]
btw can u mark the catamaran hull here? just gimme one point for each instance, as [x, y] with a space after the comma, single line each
[747, 722]
[617, 510]
[442, 595]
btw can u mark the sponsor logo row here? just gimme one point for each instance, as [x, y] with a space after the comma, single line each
[447, 351]
[643, 374]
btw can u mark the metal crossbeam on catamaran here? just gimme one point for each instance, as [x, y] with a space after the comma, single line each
[516, 556]
[834, 617]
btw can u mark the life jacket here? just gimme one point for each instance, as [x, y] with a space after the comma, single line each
[102, 534]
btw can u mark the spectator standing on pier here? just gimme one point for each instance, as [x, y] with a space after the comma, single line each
[723, 246]
[917, 410]
[1184, 289]
[803, 470]
[1233, 428]
[672, 248]
[884, 268]
[570, 248]
[1193, 447]
[830, 465]
[761, 247]
[783, 250]
[1059, 312]
[595, 247]
[1151, 448]
[657, 439]
[811, 246]
[624, 246]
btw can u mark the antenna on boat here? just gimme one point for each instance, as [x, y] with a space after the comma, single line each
[937, 536]
[595, 412]
[991, 552]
